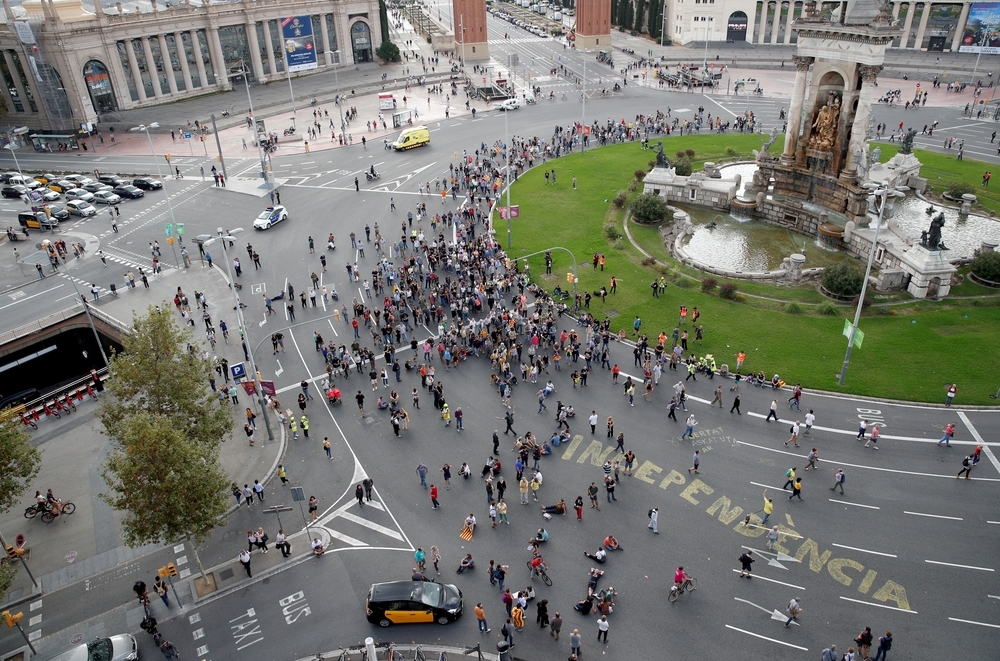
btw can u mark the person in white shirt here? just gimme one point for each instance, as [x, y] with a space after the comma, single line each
[601, 555]
[795, 434]
[593, 422]
[810, 419]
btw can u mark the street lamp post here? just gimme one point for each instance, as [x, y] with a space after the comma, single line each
[10, 146]
[224, 236]
[982, 44]
[260, 150]
[583, 101]
[336, 77]
[878, 190]
[704, 61]
[507, 158]
[145, 129]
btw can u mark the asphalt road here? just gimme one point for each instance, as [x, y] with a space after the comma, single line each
[906, 549]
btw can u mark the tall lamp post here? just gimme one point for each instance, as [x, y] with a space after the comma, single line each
[10, 146]
[224, 237]
[336, 77]
[883, 192]
[507, 158]
[982, 44]
[260, 150]
[583, 100]
[145, 129]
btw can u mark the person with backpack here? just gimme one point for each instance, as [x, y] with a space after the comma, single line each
[746, 560]
[967, 464]
[654, 515]
[838, 480]
[864, 641]
[829, 654]
[884, 645]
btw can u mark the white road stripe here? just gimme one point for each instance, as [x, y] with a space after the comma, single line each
[982, 624]
[844, 502]
[934, 516]
[771, 580]
[373, 526]
[868, 603]
[767, 486]
[979, 439]
[347, 539]
[773, 640]
[951, 564]
[854, 548]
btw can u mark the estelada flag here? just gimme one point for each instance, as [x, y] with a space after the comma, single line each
[466, 533]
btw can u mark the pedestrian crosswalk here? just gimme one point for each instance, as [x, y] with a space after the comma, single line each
[369, 526]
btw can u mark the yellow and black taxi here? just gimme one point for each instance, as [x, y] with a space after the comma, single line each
[412, 602]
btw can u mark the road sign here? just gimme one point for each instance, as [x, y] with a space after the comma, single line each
[168, 230]
[250, 387]
[297, 494]
[19, 540]
[239, 371]
[267, 387]
[187, 135]
[170, 240]
[180, 229]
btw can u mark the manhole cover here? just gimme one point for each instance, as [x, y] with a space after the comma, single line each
[76, 639]
[611, 313]
[225, 574]
[367, 420]
[230, 535]
[71, 556]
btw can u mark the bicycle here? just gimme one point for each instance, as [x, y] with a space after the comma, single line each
[688, 584]
[35, 509]
[48, 515]
[540, 571]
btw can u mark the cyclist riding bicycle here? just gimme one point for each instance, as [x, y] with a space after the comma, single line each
[679, 578]
[537, 565]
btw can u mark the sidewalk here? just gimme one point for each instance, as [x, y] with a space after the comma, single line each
[89, 541]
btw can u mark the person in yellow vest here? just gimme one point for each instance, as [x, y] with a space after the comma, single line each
[282, 474]
[305, 426]
[294, 428]
[446, 414]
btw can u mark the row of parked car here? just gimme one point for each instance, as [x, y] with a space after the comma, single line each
[81, 192]
[516, 22]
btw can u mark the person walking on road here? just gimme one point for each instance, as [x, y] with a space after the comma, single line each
[574, 642]
[434, 497]
[838, 480]
[746, 560]
[862, 430]
[884, 645]
[949, 433]
[169, 650]
[795, 434]
[864, 641]
[768, 508]
[773, 413]
[245, 561]
[421, 470]
[813, 457]
[654, 515]
[873, 438]
[967, 464]
[796, 489]
[690, 424]
[481, 618]
[793, 609]
[695, 462]
[790, 474]
[718, 397]
[736, 405]
[555, 624]
[772, 538]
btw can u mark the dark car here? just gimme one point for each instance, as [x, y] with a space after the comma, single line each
[128, 192]
[147, 183]
[112, 180]
[412, 602]
[14, 191]
[58, 213]
[95, 186]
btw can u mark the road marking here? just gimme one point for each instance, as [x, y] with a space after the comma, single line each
[21, 300]
[993, 596]
[330, 321]
[994, 522]
[347, 539]
[950, 564]
[844, 502]
[934, 516]
[868, 603]
[768, 486]
[773, 640]
[854, 548]
[34, 620]
[35, 605]
[771, 580]
[979, 439]
[982, 624]
[373, 526]
[766, 610]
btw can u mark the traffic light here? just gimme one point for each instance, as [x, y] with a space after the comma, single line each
[12, 618]
[569, 277]
[169, 570]
[13, 553]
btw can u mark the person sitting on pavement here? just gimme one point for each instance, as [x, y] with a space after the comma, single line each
[586, 605]
[467, 563]
[601, 556]
[317, 546]
[611, 544]
[558, 508]
[541, 536]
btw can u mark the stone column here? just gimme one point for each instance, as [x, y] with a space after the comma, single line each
[151, 68]
[777, 22]
[168, 66]
[795, 108]
[270, 48]
[133, 65]
[199, 60]
[218, 58]
[788, 22]
[959, 32]
[869, 74]
[911, 7]
[326, 40]
[182, 57]
[923, 25]
[258, 65]
[763, 22]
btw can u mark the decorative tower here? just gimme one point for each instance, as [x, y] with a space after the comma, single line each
[470, 30]
[593, 24]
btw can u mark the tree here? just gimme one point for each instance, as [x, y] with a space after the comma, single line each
[615, 5]
[388, 51]
[843, 279]
[165, 426]
[656, 19]
[19, 464]
[649, 209]
[640, 12]
[383, 20]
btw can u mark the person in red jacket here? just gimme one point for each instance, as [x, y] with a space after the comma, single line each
[434, 496]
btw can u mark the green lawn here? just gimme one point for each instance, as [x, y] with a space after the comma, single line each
[940, 169]
[910, 351]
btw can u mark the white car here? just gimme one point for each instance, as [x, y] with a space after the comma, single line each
[80, 208]
[47, 195]
[116, 648]
[78, 179]
[269, 217]
[508, 104]
[107, 197]
[79, 194]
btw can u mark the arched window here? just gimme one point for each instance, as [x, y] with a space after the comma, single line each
[102, 94]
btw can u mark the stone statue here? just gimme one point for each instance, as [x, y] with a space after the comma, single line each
[906, 145]
[825, 126]
[875, 157]
[661, 159]
[774, 136]
[931, 238]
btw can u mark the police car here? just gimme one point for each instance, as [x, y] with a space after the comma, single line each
[269, 217]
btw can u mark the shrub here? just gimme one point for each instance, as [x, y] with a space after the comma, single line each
[986, 265]
[843, 279]
[683, 283]
[620, 198]
[709, 284]
[828, 309]
[689, 153]
[611, 231]
[866, 304]
[649, 209]
[728, 291]
[648, 261]
[388, 51]
[793, 308]
[730, 151]
[959, 188]
[639, 175]
[683, 168]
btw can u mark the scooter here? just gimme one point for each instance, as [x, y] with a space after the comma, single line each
[369, 176]
[289, 131]
[334, 295]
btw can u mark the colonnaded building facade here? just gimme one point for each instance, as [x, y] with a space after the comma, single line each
[66, 64]
[933, 26]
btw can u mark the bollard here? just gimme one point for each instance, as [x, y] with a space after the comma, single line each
[370, 648]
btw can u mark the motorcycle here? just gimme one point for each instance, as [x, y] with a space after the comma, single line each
[334, 295]
[289, 131]
[313, 101]
[333, 396]
[369, 176]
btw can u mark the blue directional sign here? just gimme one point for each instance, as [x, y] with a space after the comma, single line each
[239, 371]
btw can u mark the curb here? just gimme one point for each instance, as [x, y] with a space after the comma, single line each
[441, 652]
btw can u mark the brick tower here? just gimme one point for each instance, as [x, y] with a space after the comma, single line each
[470, 29]
[593, 24]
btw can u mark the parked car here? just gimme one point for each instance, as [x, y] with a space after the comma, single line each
[58, 213]
[13, 191]
[411, 602]
[79, 194]
[62, 185]
[508, 104]
[112, 180]
[116, 648]
[95, 186]
[78, 178]
[147, 183]
[81, 208]
[107, 197]
[46, 194]
[27, 182]
[128, 191]
[46, 179]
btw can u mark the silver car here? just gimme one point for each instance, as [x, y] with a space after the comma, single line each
[79, 194]
[116, 648]
[80, 208]
[107, 197]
